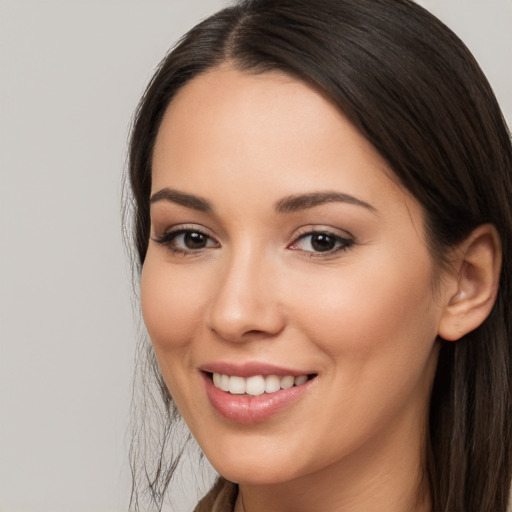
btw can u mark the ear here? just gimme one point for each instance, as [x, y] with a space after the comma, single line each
[475, 280]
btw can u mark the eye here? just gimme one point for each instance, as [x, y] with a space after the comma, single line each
[321, 242]
[192, 240]
[186, 241]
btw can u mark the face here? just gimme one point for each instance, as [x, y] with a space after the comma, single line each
[284, 253]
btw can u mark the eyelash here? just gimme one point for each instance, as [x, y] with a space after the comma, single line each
[168, 240]
[341, 243]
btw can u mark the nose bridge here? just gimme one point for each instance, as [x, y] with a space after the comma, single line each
[246, 300]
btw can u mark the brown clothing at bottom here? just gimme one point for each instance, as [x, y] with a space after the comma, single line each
[221, 498]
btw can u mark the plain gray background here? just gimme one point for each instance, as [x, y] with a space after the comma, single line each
[71, 73]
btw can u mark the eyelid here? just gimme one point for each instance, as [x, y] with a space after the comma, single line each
[171, 233]
[321, 228]
[344, 239]
[174, 228]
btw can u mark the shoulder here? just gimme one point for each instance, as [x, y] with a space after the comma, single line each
[221, 497]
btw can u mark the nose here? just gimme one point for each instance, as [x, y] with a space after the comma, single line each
[246, 304]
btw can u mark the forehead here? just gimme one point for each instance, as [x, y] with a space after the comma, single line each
[269, 133]
[226, 108]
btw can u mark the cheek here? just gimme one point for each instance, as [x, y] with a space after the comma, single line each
[378, 330]
[385, 312]
[171, 305]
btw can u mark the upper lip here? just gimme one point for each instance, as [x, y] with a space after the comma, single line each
[250, 368]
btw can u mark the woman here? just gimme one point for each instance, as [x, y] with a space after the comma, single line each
[321, 205]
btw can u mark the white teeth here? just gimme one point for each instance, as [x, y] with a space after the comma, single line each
[236, 385]
[257, 384]
[272, 384]
[300, 380]
[287, 382]
[224, 382]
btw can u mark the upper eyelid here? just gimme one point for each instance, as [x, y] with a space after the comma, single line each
[170, 234]
[344, 244]
[176, 228]
[344, 239]
[302, 231]
[318, 228]
[168, 240]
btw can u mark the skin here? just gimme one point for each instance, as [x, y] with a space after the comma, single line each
[363, 318]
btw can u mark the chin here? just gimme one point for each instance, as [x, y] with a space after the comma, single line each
[257, 466]
[260, 474]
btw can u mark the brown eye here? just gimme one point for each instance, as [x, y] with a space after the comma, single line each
[187, 241]
[322, 242]
[195, 240]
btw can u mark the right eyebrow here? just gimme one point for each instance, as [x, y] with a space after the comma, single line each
[183, 199]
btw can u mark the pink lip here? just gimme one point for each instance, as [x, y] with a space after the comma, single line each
[252, 409]
[250, 368]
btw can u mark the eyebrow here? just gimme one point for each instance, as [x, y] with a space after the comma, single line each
[290, 204]
[183, 199]
[299, 202]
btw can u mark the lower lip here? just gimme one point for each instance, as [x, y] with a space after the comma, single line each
[252, 409]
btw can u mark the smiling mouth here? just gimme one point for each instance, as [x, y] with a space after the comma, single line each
[257, 384]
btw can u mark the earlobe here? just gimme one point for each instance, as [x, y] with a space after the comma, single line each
[476, 272]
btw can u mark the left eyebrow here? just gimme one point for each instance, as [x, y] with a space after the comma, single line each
[299, 202]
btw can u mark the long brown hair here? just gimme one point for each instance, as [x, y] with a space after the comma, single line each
[416, 93]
